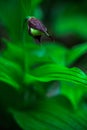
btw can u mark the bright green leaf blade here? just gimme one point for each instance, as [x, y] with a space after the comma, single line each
[10, 72]
[51, 72]
[73, 92]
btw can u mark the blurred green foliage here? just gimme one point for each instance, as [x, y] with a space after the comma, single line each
[28, 71]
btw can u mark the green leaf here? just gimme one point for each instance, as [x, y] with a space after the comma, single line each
[76, 52]
[13, 21]
[50, 115]
[29, 6]
[51, 72]
[9, 71]
[73, 92]
[45, 53]
[71, 19]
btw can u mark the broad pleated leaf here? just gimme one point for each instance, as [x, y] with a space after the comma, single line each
[50, 115]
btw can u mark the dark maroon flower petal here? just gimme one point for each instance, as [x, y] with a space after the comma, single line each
[36, 24]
